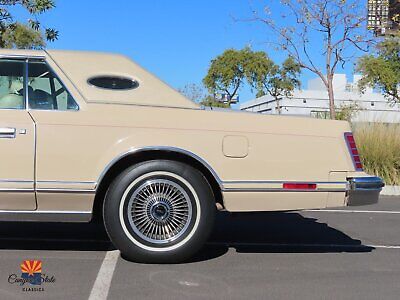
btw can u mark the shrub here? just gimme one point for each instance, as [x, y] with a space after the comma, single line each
[346, 112]
[379, 147]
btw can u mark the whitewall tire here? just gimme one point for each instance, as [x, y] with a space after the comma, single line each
[159, 212]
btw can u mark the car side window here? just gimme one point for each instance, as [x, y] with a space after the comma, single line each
[46, 91]
[12, 84]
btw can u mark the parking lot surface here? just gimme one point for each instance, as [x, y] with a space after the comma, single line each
[349, 253]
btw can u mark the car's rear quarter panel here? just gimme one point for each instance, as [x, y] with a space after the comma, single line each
[82, 144]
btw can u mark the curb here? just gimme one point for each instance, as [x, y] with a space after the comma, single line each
[391, 190]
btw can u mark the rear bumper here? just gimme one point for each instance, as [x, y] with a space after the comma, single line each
[364, 190]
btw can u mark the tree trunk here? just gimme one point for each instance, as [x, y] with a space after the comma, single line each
[332, 110]
[278, 105]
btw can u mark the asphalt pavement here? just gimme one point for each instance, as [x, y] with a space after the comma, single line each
[349, 253]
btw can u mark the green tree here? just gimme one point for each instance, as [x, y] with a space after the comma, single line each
[197, 94]
[209, 101]
[29, 35]
[269, 78]
[382, 70]
[320, 35]
[227, 72]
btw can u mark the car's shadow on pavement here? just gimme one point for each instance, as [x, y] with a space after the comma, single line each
[245, 232]
[278, 232]
[54, 236]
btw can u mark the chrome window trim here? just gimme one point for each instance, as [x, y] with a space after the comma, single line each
[14, 109]
[58, 77]
[26, 59]
[50, 58]
[26, 83]
[22, 59]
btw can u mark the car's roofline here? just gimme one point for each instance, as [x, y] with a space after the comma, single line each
[22, 53]
[43, 53]
[79, 66]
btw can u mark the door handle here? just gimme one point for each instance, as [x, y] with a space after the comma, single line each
[7, 133]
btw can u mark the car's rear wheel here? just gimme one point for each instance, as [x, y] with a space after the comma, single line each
[159, 212]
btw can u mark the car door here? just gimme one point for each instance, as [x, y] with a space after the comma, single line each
[61, 183]
[17, 140]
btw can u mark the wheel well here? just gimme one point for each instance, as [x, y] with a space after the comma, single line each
[142, 156]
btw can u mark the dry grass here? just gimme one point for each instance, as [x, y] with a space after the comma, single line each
[379, 147]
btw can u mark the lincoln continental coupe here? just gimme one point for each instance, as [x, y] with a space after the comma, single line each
[93, 136]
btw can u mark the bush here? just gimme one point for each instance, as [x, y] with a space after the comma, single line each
[379, 147]
[346, 112]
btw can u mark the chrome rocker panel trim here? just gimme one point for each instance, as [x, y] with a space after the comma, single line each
[45, 216]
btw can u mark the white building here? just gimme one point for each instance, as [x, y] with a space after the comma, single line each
[314, 102]
[224, 98]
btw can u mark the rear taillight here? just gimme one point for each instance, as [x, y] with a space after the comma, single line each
[351, 144]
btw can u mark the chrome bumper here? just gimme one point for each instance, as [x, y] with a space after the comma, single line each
[364, 190]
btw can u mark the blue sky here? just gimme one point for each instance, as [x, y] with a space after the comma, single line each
[173, 39]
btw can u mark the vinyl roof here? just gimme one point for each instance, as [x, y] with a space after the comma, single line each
[79, 66]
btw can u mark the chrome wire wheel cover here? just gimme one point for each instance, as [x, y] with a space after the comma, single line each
[159, 211]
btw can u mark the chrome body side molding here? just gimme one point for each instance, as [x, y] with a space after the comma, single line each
[53, 186]
[57, 186]
[45, 216]
[278, 186]
[16, 190]
[9, 186]
[265, 190]
[66, 191]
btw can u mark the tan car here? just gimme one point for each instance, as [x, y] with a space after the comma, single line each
[91, 135]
